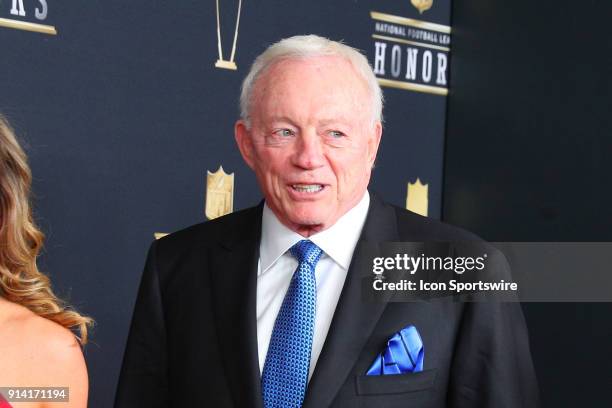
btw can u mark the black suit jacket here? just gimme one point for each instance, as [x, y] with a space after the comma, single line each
[193, 338]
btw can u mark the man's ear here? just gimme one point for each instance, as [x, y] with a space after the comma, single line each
[374, 142]
[244, 142]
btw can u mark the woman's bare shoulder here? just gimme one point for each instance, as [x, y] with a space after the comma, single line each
[41, 352]
[43, 336]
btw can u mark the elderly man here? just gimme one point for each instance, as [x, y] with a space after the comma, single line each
[263, 307]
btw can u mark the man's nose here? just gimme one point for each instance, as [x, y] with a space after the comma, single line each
[309, 151]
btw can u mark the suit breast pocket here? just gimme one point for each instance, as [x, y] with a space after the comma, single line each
[395, 384]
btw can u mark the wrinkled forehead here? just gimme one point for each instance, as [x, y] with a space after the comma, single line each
[323, 65]
[298, 83]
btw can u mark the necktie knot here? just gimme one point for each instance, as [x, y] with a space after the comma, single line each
[306, 251]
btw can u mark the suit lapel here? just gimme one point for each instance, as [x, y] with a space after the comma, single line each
[353, 319]
[234, 280]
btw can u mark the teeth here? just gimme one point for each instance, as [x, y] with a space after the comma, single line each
[307, 188]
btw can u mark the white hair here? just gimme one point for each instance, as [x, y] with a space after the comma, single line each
[309, 46]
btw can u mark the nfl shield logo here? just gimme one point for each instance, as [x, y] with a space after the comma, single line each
[417, 199]
[219, 193]
[422, 5]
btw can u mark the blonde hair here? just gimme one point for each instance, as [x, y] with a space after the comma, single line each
[309, 46]
[21, 241]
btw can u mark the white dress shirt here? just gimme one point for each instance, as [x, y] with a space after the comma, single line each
[276, 267]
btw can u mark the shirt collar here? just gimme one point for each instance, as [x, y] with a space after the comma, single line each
[337, 241]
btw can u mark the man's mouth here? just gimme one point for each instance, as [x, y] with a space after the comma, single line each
[307, 188]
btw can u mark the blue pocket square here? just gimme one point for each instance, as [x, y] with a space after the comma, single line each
[404, 354]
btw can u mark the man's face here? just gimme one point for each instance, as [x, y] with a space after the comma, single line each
[312, 141]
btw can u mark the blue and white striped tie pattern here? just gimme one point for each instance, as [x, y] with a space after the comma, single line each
[285, 373]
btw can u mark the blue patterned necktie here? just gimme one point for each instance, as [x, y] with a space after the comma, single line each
[285, 372]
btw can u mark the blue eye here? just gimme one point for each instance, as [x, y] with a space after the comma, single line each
[336, 134]
[284, 132]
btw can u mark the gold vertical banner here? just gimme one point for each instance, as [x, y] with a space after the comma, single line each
[417, 197]
[219, 193]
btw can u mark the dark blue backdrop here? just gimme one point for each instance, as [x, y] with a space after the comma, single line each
[123, 112]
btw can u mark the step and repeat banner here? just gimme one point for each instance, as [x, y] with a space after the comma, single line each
[126, 110]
